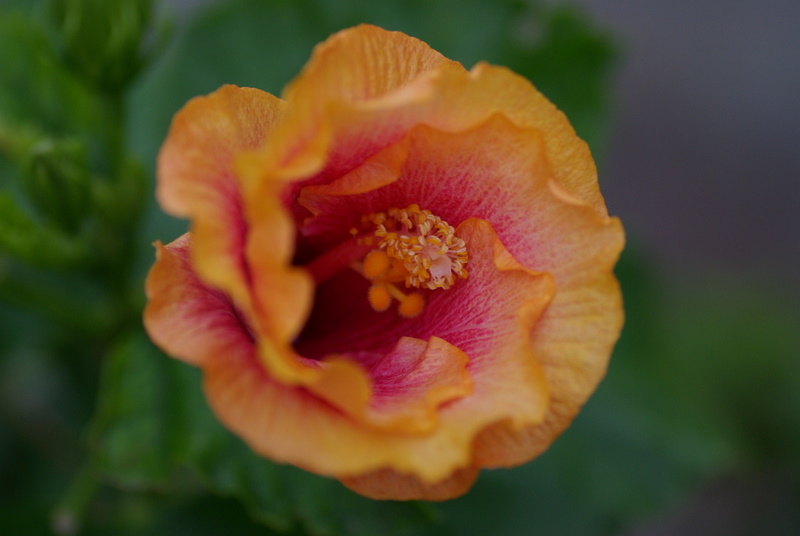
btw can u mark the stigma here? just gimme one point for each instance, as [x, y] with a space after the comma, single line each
[414, 247]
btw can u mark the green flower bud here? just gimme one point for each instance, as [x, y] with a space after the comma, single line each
[24, 238]
[56, 180]
[103, 41]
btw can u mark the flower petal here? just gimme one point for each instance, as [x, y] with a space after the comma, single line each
[359, 64]
[183, 316]
[379, 120]
[412, 381]
[201, 326]
[575, 337]
[507, 382]
[545, 228]
[387, 484]
[490, 316]
[196, 177]
[356, 96]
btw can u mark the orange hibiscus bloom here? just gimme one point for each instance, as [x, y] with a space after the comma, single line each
[396, 275]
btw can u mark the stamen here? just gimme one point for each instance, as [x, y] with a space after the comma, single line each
[409, 245]
[375, 263]
[379, 298]
[415, 247]
[412, 305]
[426, 245]
[395, 292]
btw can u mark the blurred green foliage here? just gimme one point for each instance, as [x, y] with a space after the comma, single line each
[99, 430]
[103, 42]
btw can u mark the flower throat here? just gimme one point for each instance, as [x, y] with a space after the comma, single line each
[409, 245]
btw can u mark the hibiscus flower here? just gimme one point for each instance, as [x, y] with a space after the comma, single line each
[398, 274]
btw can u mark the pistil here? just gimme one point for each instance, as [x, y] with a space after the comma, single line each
[340, 257]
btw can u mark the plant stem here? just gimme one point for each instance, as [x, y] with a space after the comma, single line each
[68, 514]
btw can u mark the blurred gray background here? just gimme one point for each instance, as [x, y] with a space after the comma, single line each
[703, 164]
[703, 167]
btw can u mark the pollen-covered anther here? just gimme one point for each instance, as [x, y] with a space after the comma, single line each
[412, 305]
[426, 245]
[381, 294]
[376, 263]
[379, 298]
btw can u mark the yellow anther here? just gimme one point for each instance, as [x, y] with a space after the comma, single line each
[375, 263]
[379, 298]
[412, 305]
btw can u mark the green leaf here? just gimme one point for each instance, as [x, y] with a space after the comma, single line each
[129, 432]
[40, 245]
